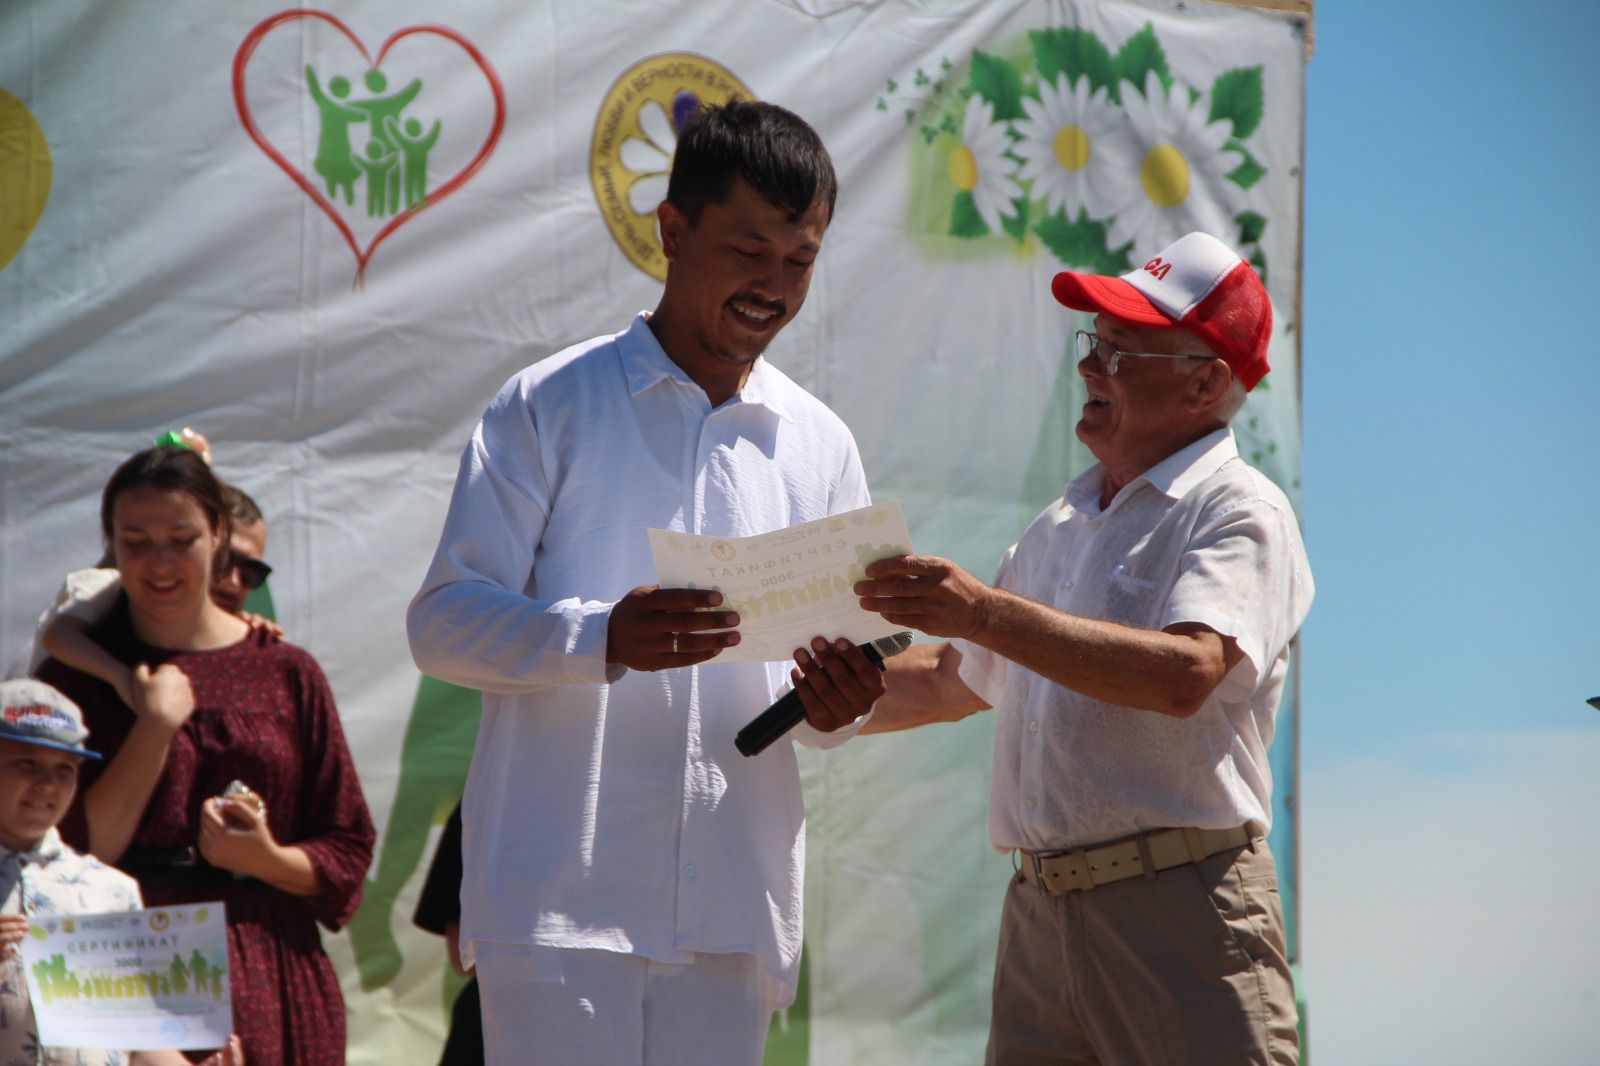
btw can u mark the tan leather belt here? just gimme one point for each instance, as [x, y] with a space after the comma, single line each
[1142, 855]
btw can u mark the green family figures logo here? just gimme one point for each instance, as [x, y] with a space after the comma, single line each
[375, 143]
[635, 136]
[393, 158]
[60, 982]
[435, 753]
[24, 175]
[1101, 157]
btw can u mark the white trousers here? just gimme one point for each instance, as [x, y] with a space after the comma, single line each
[545, 1006]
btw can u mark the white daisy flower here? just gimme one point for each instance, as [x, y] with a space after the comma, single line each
[1075, 149]
[1182, 170]
[978, 164]
[651, 158]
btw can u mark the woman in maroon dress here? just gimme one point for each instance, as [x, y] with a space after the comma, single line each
[218, 702]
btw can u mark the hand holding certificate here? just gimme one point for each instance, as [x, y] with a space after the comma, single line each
[790, 585]
[131, 979]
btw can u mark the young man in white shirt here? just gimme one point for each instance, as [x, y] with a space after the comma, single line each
[632, 886]
[1136, 643]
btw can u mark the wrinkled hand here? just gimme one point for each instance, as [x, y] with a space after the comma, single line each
[837, 683]
[260, 621]
[927, 593]
[13, 927]
[234, 835]
[163, 694]
[653, 628]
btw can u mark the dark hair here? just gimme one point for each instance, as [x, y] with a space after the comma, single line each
[771, 148]
[166, 468]
[241, 508]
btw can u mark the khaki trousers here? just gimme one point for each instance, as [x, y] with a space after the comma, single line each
[1188, 968]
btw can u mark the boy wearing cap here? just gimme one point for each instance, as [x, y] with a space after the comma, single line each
[42, 744]
[1136, 643]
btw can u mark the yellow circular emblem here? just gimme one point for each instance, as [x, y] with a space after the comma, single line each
[635, 135]
[24, 175]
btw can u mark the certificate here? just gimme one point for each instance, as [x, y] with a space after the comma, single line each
[791, 585]
[132, 980]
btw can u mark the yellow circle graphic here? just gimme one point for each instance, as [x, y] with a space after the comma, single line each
[1072, 148]
[24, 175]
[963, 167]
[1165, 175]
[635, 135]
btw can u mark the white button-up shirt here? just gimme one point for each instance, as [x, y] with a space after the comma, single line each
[608, 808]
[1200, 537]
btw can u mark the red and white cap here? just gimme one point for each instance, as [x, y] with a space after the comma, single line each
[1196, 283]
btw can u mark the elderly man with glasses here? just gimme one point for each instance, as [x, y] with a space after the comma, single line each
[1136, 643]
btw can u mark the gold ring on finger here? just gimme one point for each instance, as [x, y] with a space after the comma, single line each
[674, 643]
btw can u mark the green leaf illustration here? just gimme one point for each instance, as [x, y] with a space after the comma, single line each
[1017, 226]
[999, 83]
[1249, 172]
[1251, 227]
[1140, 55]
[1075, 53]
[964, 218]
[38, 933]
[1082, 243]
[200, 915]
[1258, 260]
[1237, 96]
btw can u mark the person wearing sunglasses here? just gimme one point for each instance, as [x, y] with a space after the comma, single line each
[1136, 646]
[88, 596]
[228, 777]
[242, 570]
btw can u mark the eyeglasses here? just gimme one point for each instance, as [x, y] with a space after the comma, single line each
[1109, 354]
[253, 572]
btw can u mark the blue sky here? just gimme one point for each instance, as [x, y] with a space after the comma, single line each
[1450, 767]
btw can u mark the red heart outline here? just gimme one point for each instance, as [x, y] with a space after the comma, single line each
[363, 257]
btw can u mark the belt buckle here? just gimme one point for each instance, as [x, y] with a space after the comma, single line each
[1068, 872]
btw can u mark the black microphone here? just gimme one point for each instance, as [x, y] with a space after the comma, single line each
[785, 714]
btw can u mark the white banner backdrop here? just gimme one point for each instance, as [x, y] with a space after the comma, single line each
[324, 238]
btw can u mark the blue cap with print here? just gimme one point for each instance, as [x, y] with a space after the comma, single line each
[32, 712]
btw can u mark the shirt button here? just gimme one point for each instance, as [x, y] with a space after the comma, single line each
[1033, 727]
[1032, 804]
[688, 871]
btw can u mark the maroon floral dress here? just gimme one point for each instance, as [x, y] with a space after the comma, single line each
[264, 715]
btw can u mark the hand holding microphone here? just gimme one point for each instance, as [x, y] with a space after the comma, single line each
[789, 709]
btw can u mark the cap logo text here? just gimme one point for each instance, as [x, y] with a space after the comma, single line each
[1158, 268]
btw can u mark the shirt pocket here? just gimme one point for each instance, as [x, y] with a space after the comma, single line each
[1131, 600]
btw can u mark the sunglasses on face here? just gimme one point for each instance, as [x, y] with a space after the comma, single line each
[253, 573]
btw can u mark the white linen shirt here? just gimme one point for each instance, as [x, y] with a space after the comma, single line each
[52, 879]
[608, 808]
[1200, 537]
